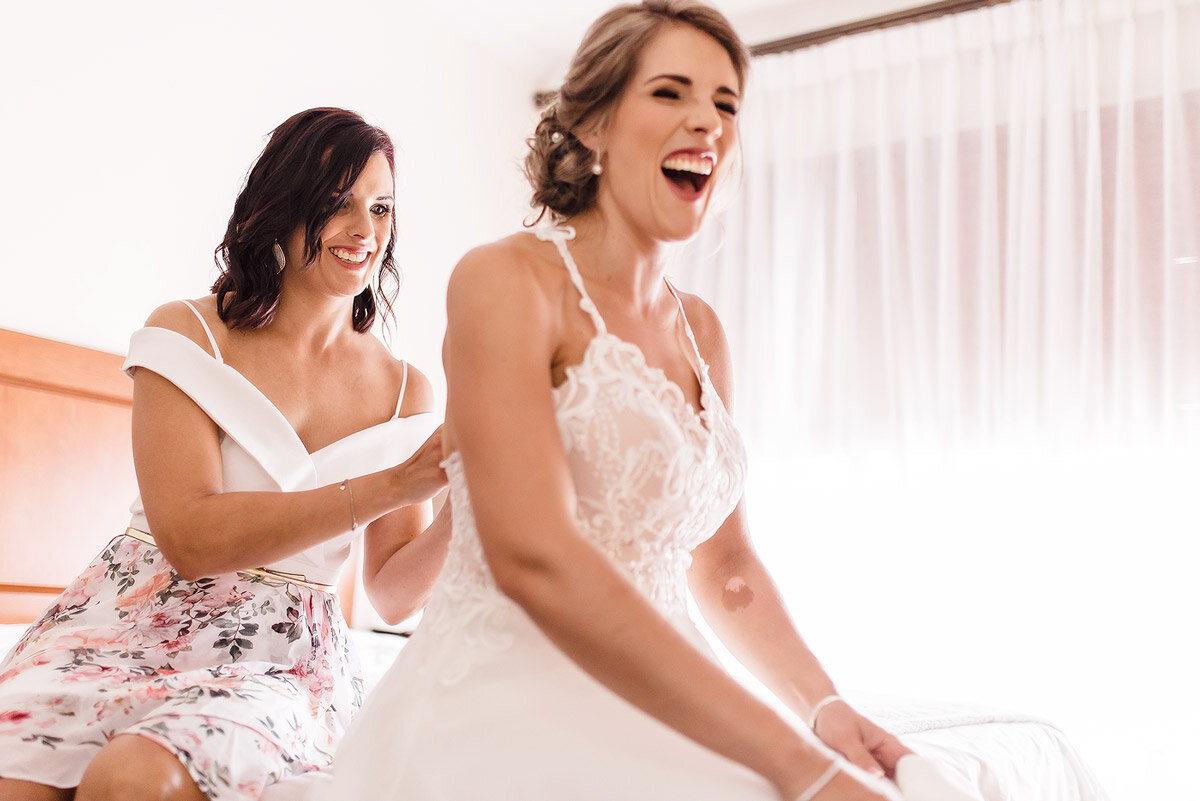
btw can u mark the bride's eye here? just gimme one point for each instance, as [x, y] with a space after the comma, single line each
[666, 92]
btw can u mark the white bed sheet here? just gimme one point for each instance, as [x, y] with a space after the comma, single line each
[9, 634]
[1004, 756]
[376, 651]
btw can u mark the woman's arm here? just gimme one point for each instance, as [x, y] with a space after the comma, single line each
[502, 336]
[203, 530]
[404, 552]
[400, 567]
[743, 606]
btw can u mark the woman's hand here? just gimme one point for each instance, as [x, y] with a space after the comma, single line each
[421, 476]
[865, 744]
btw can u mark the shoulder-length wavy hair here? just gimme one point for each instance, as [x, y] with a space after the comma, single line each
[558, 165]
[302, 178]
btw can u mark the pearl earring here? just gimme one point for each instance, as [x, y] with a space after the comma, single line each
[280, 259]
[597, 168]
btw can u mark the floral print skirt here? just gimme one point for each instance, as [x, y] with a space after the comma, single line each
[246, 680]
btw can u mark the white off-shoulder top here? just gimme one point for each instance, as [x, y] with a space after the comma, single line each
[260, 450]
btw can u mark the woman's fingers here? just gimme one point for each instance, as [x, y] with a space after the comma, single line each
[423, 471]
[850, 734]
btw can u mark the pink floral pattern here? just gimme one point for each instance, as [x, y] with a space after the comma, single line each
[246, 680]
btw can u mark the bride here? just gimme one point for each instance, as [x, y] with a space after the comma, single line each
[596, 477]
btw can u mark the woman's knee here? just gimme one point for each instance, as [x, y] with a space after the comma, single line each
[133, 768]
[19, 790]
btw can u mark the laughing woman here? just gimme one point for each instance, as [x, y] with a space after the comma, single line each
[202, 654]
[595, 475]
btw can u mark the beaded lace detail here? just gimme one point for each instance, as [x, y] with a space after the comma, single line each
[653, 477]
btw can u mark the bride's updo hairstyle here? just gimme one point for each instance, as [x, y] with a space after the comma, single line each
[558, 165]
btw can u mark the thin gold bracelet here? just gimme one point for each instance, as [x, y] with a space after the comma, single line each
[345, 485]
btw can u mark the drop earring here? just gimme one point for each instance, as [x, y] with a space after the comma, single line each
[597, 167]
[280, 259]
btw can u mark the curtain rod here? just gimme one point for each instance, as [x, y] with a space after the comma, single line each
[800, 41]
[928, 11]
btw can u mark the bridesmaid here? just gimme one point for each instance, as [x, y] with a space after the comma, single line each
[203, 654]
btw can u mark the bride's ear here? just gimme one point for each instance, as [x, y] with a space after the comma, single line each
[593, 137]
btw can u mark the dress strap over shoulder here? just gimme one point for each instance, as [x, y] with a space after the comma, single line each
[403, 386]
[211, 340]
[698, 360]
[559, 234]
[238, 407]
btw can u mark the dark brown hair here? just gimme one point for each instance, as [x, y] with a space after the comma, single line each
[558, 165]
[302, 177]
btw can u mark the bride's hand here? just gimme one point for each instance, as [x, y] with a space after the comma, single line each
[865, 744]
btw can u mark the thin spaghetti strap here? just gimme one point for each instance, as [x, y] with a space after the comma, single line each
[559, 235]
[403, 386]
[698, 361]
[211, 340]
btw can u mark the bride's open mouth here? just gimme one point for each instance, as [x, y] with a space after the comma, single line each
[689, 172]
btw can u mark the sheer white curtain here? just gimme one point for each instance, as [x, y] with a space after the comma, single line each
[976, 230]
[961, 282]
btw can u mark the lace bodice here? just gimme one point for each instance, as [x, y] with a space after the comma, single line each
[653, 478]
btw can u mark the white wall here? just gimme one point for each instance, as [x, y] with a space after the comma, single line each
[128, 129]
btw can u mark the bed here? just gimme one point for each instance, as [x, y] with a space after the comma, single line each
[66, 479]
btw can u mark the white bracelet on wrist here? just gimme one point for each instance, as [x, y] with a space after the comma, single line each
[825, 778]
[818, 706]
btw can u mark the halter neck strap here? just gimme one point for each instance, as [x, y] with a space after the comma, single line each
[698, 362]
[559, 235]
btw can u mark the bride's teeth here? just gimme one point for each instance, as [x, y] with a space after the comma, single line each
[686, 164]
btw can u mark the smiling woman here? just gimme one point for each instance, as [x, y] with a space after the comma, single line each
[304, 179]
[270, 429]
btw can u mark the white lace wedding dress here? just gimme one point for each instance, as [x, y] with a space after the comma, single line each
[480, 704]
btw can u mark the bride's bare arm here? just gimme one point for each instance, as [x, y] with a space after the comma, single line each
[502, 336]
[744, 607]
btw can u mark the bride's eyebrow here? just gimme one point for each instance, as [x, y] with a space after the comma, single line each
[683, 79]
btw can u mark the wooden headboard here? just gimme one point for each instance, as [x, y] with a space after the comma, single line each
[66, 467]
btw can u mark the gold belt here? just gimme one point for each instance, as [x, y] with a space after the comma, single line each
[258, 572]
